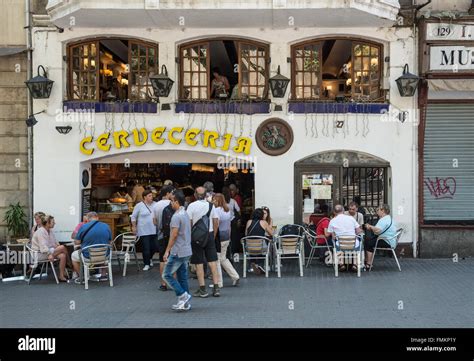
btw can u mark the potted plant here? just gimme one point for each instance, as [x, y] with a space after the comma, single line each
[15, 218]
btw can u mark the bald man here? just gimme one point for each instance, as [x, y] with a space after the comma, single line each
[196, 211]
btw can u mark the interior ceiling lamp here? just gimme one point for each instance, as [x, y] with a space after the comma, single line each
[40, 86]
[161, 83]
[407, 83]
[278, 84]
[202, 168]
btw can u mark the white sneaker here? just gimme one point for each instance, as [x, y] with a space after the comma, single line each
[182, 301]
[186, 307]
[236, 282]
[75, 275]
[151, 263]
[146, 268]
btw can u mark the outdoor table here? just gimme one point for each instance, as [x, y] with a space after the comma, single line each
[22, 244]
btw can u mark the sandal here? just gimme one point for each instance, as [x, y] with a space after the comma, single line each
[367, 266]
[354, 268]
[342, 268]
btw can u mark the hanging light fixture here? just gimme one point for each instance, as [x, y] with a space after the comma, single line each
[63, 129]
[407, 83]
[161, 83]
[278, 84]
[40, 86]
[31, 121]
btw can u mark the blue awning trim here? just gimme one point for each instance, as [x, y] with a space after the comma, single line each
[224, 107]
[112, 107]
[318, 107]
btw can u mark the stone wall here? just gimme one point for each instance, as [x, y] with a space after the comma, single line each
[13, 135]
[439, 242]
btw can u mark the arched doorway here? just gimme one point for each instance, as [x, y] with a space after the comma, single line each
[325, 179]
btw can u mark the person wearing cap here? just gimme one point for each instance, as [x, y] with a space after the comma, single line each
[91, 233]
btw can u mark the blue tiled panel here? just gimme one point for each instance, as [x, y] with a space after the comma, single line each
[116, 107]
[223, 107]
[315, 107]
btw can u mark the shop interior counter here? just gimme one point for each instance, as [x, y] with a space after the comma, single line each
[119, 222]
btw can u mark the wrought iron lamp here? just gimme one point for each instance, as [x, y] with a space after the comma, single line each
[40, 86]
[407, 83]
[278, 84]
[161, 83]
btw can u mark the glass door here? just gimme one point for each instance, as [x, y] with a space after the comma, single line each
[317, 193]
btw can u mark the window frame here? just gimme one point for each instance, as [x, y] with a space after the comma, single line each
[239, 42]
[69, 51]
[319, 43]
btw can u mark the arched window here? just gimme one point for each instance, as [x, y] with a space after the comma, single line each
[111, 69]
[223, 69]
[337, 69]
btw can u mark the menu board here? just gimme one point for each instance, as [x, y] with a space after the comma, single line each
[321, 192]
[86, 201]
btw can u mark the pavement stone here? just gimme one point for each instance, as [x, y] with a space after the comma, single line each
[428, 293]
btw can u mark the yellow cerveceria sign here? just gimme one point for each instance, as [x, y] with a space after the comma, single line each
[123, 139]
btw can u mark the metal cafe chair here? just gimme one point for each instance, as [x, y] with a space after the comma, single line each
[312, 238]
[256, 247]
[348, 244]
[35, 256]
[100, 257]
[397, 237]
[289, 246]
[127, 247]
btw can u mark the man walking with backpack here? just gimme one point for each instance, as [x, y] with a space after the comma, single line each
[205, 224]
[163, 212]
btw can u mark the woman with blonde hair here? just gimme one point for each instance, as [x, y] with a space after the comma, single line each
[37, 216]
[225, 217]
[44, 242]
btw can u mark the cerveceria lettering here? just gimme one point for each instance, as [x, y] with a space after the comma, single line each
[123, 139]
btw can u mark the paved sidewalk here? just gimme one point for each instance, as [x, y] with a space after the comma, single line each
[427, 293]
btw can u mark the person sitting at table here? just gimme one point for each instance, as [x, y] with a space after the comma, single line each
[354, 212]
[37, 216]
[91, 233]
[43, 241]
[386, 227]
[79, 225]
[322, 231]
[360, 209]
[344, 225]
[258, 226]
[267, 218]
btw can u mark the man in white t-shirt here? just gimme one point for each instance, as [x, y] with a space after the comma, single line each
[343, 225]
[196, 211]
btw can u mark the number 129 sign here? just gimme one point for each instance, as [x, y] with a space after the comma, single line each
[445, 31]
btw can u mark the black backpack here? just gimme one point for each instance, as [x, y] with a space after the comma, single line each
[200, 230]
[168, 212]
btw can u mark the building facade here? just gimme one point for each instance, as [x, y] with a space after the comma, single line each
[446, 132]
[341, 132]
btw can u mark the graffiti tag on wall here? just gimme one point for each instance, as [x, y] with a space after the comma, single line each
[441, 188]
